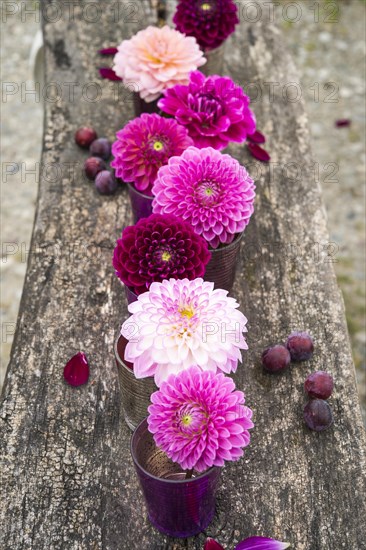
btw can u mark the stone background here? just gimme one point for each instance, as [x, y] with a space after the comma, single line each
[327, 40]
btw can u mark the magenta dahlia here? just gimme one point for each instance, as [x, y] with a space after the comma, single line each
[157, 248]
[209, 190]
[214, 110]
[209, 21]
[145, 144]
[199, 420]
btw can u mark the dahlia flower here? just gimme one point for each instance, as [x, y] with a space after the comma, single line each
[214, 110]
[157, 58]
[209, 190]
[199, 420]
[144, 145]
[157, 248]
[209, 21]
[180, 323]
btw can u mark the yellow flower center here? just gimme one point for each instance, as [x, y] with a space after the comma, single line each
[158, 145]
[166, 256]
[206, 6]
[209, 191]
[186, 312]
[187, 420]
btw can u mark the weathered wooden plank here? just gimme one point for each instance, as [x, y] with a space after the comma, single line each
[67, 474]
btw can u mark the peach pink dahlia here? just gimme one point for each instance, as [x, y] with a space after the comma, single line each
[155, 59]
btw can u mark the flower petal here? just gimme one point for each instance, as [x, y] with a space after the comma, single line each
[212, 544]
[261, 543]
[108, 51]
[76, 371]
[108, 73]
[343, 122]
[257, 137]
[258, 153]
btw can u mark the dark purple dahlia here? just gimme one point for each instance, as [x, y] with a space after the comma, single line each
[214, 110]
[144, 145]
[209, 21]
[157, 248]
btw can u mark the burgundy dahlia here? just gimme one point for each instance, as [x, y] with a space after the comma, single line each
[209, 21]
[157, 248]
[214, 110]
[144, 145]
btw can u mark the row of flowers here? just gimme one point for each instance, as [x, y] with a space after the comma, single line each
[190, 201]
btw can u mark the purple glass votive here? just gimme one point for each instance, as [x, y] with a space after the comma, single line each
[176, 506]
[141, 204]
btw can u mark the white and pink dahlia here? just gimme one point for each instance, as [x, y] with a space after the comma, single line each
[199, 420]
[180, 323]
[155, 59]
[207, 189]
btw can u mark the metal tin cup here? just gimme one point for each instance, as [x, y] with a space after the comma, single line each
[222, 265]
[135, 393]
[215, 61]
[142, 106]
[176, 506]
[141, 204]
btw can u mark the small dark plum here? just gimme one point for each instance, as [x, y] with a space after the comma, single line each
[319, 384]
[276, 358]
[101, 147]
[85, 136]
[105, 183]
[300, 346]
[92, 167]
[318, 415]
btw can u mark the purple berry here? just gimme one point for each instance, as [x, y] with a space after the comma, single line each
[92, 167]
[85, 136]
[101, 147]
[318, 415]
[300, 346]
[105, 183]
[276, 359]
[319, 384]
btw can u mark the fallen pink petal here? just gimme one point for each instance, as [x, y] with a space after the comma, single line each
[343, 122]
[261, 543]
[108, 73]
[108, 51]
[211, 544]
[258, 152]
[257, 137]
[76, 371]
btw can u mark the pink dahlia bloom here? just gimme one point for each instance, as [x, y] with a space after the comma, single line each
[144, 145]
[180, 323]
[209, 21]
[157, 248]
[199, 420]
[209, 190]
[155, 59]
[214, 110]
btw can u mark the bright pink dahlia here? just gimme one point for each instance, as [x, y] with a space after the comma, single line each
[199, 420]
[155, 59]
[214, 110]
[209, 190]
[209, 21]
[144, 145]
[179, 323]
[157, 248]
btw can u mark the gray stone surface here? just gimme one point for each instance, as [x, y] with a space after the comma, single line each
[68, 476]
